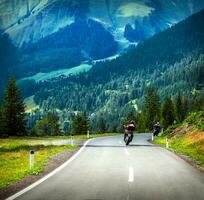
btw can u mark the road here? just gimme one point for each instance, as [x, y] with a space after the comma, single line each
[106, 169]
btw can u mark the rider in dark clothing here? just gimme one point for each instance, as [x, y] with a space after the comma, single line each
[157, 129]
[129, 128]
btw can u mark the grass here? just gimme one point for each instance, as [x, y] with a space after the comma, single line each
[188, 137]
[15, 164]
[14, 155]
[190, 144]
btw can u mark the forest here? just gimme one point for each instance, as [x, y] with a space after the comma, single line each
[171, 62]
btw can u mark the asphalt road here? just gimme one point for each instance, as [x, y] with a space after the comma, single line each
[106, 169]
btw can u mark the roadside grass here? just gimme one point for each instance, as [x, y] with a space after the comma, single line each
[14, 163]
[14, 155]
[160, 140]
[188, 137]
[190, 144]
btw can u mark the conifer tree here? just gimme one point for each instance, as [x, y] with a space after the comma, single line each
[179, 108]
[168, 112]
[102, 125]
[152, 108]
[131, 116]
[48, 126]
[13, 111]
[80, 124]
[185, 107]
[54, 125]
[1, 123]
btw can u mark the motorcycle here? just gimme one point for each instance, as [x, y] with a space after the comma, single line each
[128, 138]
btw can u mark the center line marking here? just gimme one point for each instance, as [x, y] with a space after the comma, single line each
[126, 151]
[131, 175]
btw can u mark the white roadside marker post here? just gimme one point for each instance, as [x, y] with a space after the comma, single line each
[167, 142]
[88, 134]
[32, 159]
[152, 136]
[72, 139]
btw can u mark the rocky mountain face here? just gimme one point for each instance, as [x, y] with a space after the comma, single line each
[128, 20]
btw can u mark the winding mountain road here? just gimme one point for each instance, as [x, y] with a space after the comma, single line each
[107, 169]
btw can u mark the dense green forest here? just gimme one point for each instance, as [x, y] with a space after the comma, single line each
[172, 62]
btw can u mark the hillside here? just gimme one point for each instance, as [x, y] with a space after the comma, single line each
[166, 48]
[61, 34]
[171, 61]
[188, 138]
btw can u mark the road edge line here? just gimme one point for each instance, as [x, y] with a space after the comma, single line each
[33, 185]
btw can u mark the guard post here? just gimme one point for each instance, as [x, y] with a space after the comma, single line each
[88, 134]
[72, 139]
[32, 158]
[167, 142]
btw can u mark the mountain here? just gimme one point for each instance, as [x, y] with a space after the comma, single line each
[59, 34]
[171, 61]
[30, 20]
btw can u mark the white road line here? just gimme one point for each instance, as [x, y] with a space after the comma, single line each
[49, 175]
[131, 175]
[126, 151]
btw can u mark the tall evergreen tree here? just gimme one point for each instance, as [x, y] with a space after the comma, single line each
[185, 107]
[131, 116]
[179, 108]
[168, 112]
[102, 125]
[142, 122]
[152, 108]
[48, 126]
[80, 124]
[54, 125]
[1, 123]
[13, 110]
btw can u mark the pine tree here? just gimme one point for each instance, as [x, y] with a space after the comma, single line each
[80, 124]
[13, 111]
[179, 108]
[168, 112]
[1, 123]
[48, 126]
[130, 117]
[185, 107]
[142, 122]
[102, 125]
[152, 108]
[86, 123]
[42, 127]
[53, 123]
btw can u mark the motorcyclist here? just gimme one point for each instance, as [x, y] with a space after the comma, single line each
[129, 128]
[157, 129]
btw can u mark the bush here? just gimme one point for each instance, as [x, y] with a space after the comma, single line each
[196, 118]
